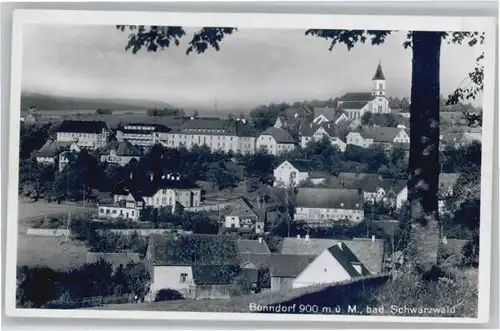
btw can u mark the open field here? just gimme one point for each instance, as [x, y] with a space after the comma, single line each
[51, 252]
[29, 212]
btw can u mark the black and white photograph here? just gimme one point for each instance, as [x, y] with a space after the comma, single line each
[252, 167]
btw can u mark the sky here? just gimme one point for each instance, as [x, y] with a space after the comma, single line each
[253, 67]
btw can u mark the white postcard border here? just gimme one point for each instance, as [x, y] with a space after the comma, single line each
[262, 21]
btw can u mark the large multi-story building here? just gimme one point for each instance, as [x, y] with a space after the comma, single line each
[143, 134]
[237, 136]
[120, 152]
[86, 134]
[318, 206]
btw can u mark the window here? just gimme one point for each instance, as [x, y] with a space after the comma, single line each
[132, 213]
[114, 211]
[183, 278]
[101, 210]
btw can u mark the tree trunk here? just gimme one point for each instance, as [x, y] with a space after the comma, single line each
[424, 152]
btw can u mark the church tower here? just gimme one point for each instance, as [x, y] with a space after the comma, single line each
[378, 82]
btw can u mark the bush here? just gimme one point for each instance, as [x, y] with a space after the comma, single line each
[240, 286]
[167, 294]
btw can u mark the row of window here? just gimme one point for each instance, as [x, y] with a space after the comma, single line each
[109, 211]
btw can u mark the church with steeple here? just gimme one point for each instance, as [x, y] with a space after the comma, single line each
[355, 104]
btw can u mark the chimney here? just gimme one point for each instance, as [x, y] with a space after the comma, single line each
[373, 238]
[260, 240]
[307, 237]
[445, 241]
[298, 236]
[328, 124]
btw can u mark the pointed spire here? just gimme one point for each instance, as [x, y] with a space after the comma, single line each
[379, 74]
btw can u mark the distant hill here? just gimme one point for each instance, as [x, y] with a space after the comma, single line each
[50, 102]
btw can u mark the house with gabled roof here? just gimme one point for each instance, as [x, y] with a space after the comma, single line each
[291, 118]
[167, 190]
[284, 268]
[291, 173]
[276, 141]
[120, 152]
[245, 217]
[50, 151]
[355, 104]
[335, 264]
[386, 137]
[328, 115]
[86, 134]
[319, 206]
[369, 251]
[316, 132]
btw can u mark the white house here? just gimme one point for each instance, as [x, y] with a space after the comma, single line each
[378, 136]
[292, 173]
[316, 132]
[128, 208]
[120, 152]
[336, 264]
[354, 105]
[174, 277]
[166, 191]
[143, 134]
[381, 190]
[86, 134]
[321, 205]
[276, 141]
[328, 115]
[244, 217]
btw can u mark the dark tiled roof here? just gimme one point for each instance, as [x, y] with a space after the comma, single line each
[243, 207]
[115, 259]
[357, 96]
[246, 246]
[280, 135]
[356, 175]
[82, 126]
[220, 249]
[122, 148]
[329, 198]
[259, 260]
[353, 104]
[381, 134]
[289, 266]
[329, 113]
[301, 165]
[148, 188]
[218, 127]
[52, 147]
[310, 129]
[343, 256]
[214, 274]
[379, 74]
[370, 253]
[251, 275]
